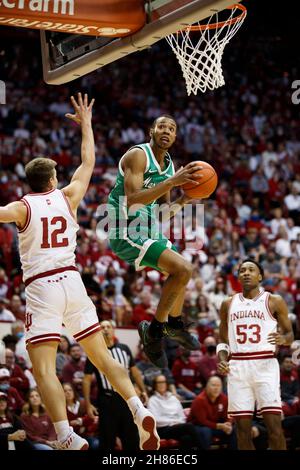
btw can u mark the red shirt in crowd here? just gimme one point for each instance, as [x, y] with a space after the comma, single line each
[140, 313]
[15, 402]
[186, 373]
[73, 372]
[207, 366]
[38, 428]
[19, 380]
[208, 413]
[86, 425]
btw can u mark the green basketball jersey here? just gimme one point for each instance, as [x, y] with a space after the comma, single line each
[153, 175]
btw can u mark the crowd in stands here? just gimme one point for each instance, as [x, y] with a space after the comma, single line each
[250, 132]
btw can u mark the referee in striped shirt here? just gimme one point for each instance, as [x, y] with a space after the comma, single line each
[115, 418]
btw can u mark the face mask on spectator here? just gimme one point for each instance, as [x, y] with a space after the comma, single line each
[203, 321]
[211, 349]
[4, 387]
[20, 334]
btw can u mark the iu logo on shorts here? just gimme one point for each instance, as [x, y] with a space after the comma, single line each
[28, 321]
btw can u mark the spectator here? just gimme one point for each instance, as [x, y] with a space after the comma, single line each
[219, 294]
[186, 375]
[17, 308]
[282, 246]
[144, 310]
[289, 381]
[208, 362]
[259, 185]
[5, 314]
[282, 290]
[10, 341]
[78, 418]
[17, 379]
[133, 134]
[12, 435]
[277, 221]
[209, 415]
[14, 399]
[149, 372]
[272, 268]
[292, 230]
[73, 370]
[292, 202]
[37, 424]
[62, 356]
[169, 414]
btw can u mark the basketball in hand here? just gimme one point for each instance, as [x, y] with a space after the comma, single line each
[208, 182]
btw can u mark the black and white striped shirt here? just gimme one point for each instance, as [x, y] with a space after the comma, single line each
[121, 353]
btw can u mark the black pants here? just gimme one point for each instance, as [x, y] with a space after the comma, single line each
[184, 433]
[292, 425]
[115, 420]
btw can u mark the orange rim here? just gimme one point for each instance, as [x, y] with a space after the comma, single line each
[203, 27]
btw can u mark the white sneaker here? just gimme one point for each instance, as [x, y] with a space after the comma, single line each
[73, 442]
[145, 421]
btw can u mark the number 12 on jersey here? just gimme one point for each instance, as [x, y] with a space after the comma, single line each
[58, 226]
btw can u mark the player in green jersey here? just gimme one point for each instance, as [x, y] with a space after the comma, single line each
[146, 174]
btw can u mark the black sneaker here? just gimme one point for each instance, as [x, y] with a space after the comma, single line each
[182, 336]
[153, 347]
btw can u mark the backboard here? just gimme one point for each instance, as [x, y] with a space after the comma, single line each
[69, 56]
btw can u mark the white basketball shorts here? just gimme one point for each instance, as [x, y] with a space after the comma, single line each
[253, 384]
[55, 300]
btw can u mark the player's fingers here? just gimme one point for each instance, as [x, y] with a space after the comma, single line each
[91, 104]
[194, 164]
[85, 100]
[193, 170]
[190, 180]
[73, 117]
[74, 103]
[80, 99]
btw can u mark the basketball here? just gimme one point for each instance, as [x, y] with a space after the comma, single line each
[208, 182]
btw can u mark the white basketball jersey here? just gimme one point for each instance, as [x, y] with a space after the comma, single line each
[250, 321]
[48, 239]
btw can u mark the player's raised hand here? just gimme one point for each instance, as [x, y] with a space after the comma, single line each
[223, 368]
[82, 108]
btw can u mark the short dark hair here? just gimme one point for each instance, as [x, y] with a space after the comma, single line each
[72, 346]
[38, 173]
[168, 116]
[250, 260]
[154, 381]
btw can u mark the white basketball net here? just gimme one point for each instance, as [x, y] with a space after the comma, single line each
[200, 58]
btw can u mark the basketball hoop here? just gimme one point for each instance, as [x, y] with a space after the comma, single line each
[200, 59]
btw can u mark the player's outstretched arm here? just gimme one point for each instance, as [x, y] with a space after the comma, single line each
[76, 190]
[279, 309]
[14, 212]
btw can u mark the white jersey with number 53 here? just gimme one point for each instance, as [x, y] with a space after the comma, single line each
[250, 321]
[48, 239]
